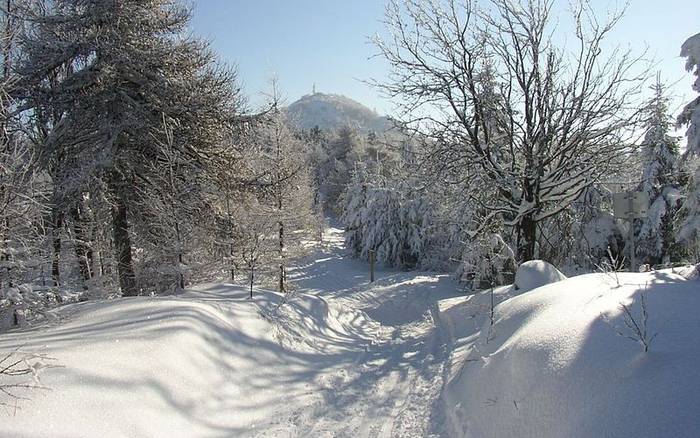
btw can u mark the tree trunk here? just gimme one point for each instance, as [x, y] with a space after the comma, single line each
[527, 238]
[180, 256]
[103, 270]
[233, 264]
[83, 250]
[3, 244]
[252, 277]
[283, 274]
[56, 224]
[181, 275]
[122, 246]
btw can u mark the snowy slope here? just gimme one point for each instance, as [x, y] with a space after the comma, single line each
[556, 365]
[340, 358]
[192, 365]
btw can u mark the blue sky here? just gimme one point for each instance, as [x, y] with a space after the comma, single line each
[326, 42]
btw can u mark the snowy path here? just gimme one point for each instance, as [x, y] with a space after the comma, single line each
[341, 358]
[389, 385]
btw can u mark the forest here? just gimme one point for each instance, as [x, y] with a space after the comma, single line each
[133, 164]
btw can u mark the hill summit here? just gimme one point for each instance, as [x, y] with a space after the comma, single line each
[334, 111]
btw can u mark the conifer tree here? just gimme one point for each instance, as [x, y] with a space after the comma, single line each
[690, 117]
[656, 239]
[129, 65]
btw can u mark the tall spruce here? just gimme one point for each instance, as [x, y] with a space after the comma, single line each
[656, 239]
[690, 117]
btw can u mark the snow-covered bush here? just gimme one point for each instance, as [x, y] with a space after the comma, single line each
[691, 272]
[387, 216]
[487, 261]
[20, 304]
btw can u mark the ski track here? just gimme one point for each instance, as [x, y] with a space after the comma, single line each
[392, 385]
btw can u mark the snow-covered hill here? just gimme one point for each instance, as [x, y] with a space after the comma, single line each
[563, 360]
[333, 111]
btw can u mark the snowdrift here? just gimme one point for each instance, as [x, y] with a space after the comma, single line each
[560, 361]
[206, 363]
[536, 273]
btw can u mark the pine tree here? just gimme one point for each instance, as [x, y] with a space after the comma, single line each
[656, 237]
[386, 214]
[690, 226]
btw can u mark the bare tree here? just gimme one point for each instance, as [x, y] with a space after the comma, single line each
[255, 239]
[286, 184]
[504, 105]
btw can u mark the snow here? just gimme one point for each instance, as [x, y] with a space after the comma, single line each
[405, 356]
[164, 363]
[333, 111]
[535, 273]
[691, 272]
[340, 357]
[559, 361]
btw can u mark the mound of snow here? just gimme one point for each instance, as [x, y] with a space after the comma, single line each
[534, 274]
[691, 272]
[562, 364]
[209, 362]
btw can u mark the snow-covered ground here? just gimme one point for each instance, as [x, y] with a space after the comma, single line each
[340, 358]
[561, 360]
[407, 356]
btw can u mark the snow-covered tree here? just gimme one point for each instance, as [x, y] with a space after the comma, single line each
[690, 117]
[256, 242]
[386, 215]
[23, 188]
[169, 206]
[230, 189]
[656, 237]
[595, 232]
[565, 113]
[284, 178]
[344, 151]
[127, 64]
